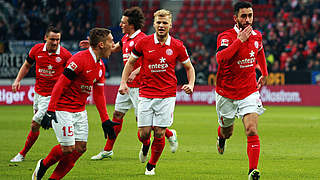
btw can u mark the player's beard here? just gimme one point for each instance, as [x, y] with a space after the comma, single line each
[52, 48]
[241, 26]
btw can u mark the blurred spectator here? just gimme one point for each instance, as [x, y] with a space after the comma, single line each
[74, 17]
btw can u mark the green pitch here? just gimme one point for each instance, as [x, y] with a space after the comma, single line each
[290, 147]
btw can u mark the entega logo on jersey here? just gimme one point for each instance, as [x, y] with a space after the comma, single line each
[47, 72]
[247, 62]
[86, 89]
[159, 67]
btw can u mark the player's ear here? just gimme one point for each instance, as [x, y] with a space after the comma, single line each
[45, 37]
[235, 18]
[101, 45]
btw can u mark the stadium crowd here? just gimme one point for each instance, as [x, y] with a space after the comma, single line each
[27, 20]
[291, 35]
[291, 39]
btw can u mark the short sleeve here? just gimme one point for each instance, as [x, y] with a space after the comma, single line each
[31, 56]
[137, 50]
[102, 71]
[183, 56]
[74, 65]
[223, 41]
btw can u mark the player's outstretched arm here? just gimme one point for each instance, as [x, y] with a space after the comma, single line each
[134, 74]
[58, 88]
[123, 89]
[263, 67]
[226, 51]
[100, 101]
[22, 73]
[85, 44]
[188, 88]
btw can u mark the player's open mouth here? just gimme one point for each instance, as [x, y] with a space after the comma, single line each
[161, 30]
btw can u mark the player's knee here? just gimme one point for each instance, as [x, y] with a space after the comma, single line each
[35, 126]
[251, 131]
[67, 149]
[144, 136]
[227, 131]
[118, 115]
[228, 135]
[159, 132]
[81, 149]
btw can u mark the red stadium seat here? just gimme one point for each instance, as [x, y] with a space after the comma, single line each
[207, 3]
[156, 3]
[187, 3]
[188, 23]
[191, 15]
[200, 15]
[197, 3]
[124, 4]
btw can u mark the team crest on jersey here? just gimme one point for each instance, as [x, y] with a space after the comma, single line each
[169, 52]
[224, 42]
[100, 73]
[72, 66]
[94, 80]
[131, 43]
[256, 44]
[58, 59]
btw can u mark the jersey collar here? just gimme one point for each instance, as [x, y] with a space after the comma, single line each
[92, 54]
[45, 49]
[237, 30]
[135, 34]
[156, 41]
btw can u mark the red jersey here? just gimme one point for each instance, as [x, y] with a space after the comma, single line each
[158, 79]
[127, 43]
[49, 66]
[89, 72]
[236, 76]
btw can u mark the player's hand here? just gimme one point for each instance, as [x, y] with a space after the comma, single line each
[131, 77]
[245, 33]
[262, 81]
[15, 86]
[108, 130]
[46, 122]
[84, 44]
[123, 89]
[188, 89]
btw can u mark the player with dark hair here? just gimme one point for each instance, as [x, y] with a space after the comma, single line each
[158, 54]
[66, 112]
[237, 89]
[131, 23]
[50, 59]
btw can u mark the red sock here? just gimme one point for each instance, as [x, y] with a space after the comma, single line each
[117, 129]
[168, 133]
[219, 132]
[54, 156]
[156, 150]
[31, 139]
[65, 165]
[253, 151]
[144, 142]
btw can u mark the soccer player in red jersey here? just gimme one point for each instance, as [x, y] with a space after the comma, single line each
[66, 112]
[131, 23]
[237, 89]
[50, 59]
[159, 54]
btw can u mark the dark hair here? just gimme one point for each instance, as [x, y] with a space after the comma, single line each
[98, 35]
[52, 28]
[241, 4]
[135, 17]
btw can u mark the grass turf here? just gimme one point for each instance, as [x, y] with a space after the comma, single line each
[290, 147]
